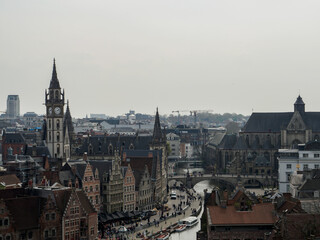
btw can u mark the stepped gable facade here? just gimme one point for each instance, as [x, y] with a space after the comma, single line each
[146, 167]
[263, 135]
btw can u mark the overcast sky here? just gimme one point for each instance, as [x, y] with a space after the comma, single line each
[112, 56]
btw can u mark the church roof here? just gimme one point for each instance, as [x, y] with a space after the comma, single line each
[228, 142]
[268, 122]
[275, 122]
[54, 84]
[241, 144]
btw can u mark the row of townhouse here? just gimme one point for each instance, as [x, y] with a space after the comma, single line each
[133, 181]
[44, 212]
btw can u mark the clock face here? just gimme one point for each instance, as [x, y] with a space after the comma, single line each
[50, 110]
[57, 110]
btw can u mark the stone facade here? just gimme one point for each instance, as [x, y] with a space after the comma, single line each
[113, 188]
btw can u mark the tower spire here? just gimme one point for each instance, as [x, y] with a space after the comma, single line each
[157, 132]
[54, 79]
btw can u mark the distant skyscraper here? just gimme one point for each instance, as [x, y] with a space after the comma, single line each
[13, 106]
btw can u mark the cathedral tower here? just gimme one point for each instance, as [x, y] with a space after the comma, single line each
[54, 101]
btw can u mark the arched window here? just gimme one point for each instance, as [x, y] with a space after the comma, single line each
[131, 147]
[58, 148]
[49, 124]
[247, 140]
[110, 149]
[316, 137]
[58, 124]
[58, 136]
[50, 136]
[57, 94]
[257, 139]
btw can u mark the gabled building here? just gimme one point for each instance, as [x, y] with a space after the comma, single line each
[82, 175]
[238, 217]
[112, 186]
[12, 144]
[146, 167]
[129, 196]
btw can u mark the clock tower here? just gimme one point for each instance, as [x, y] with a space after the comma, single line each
[54, 101]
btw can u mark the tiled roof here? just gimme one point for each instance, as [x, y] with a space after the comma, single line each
[11, 179]
[261, 214]
[25, 211]
[14, 138]
[61, 198]
[228, 141]
[85, 203]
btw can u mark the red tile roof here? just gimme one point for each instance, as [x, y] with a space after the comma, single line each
[260, 214]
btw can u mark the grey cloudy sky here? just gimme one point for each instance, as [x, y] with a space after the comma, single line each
[112, 56]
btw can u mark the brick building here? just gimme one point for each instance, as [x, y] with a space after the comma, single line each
[12, 144]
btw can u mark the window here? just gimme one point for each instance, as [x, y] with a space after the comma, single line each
[316, 155]
[288, 166]
[97, 199]
[91, 178]
[305, 166]
[58, 124]
[288, 174]
[8, 237]
[53, 216]
[305, 155]
[86, 179]
[92, 231]
[53, 232]
[1, 223]
[30, 235]
[316, 166]
[91, 189]
[46, 233]
[6, 222]
[58, 137]
[97, 188]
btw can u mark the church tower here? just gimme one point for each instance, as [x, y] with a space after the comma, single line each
[54, 101]
[159, 142]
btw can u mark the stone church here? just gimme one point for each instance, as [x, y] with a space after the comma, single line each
[255, 149]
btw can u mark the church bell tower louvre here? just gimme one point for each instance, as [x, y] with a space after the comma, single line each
[54, 101]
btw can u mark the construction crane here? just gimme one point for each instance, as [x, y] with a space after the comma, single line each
[194, 112]
[179, 111]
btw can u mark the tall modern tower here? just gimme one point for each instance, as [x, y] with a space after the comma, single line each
[13, 106]
[54, 100]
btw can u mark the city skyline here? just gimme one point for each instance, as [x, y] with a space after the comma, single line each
[111, 57]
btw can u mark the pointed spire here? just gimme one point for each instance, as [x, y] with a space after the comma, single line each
[54, 80]
[157, 132]
[68, 122]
